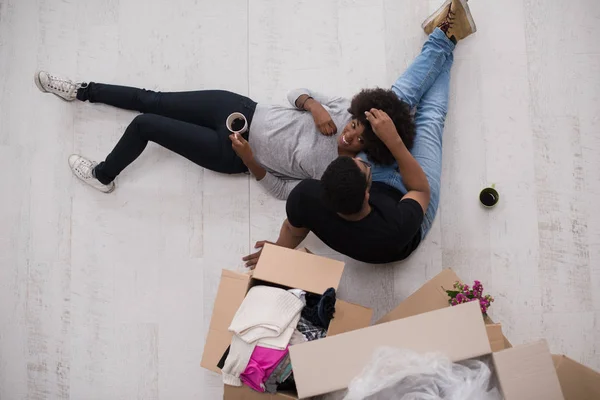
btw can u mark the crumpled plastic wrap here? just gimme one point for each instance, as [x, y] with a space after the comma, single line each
[400, 374]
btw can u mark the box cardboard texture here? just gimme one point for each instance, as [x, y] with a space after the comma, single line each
[537, 378]
[283, 267]
[577, 382]
[432, 296]
[342, 357]
[457, 332]
[421, 323]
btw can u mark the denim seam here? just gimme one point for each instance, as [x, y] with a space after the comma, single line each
[429, 73]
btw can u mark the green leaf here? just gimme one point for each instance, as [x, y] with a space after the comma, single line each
[452, 293]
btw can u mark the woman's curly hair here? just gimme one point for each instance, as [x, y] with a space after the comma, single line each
[398, 111]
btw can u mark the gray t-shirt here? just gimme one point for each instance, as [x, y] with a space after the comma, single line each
[286, 142]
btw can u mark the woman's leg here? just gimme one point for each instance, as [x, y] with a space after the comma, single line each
[424, 70]
[204, 146]
[208, 108]
[429, 125]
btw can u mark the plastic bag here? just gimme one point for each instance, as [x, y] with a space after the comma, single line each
[399, 374]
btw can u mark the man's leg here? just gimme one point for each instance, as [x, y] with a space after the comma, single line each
[427, 149]
[424, 70]
[209, 108]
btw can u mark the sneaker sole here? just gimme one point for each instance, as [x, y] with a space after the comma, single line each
[469, 16]
[112, 188]
[435, 14]
[36, 79]
[38, 83]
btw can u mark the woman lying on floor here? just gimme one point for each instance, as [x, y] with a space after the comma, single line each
[282, 146]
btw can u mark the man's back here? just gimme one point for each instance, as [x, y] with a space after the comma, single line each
[389, 233]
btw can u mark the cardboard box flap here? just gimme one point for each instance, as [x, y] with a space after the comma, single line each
[245, 393]
[577, 381]
[496, 337]
[298, 269]
[230, 294]
[349, 317]
[458, 332]
[527, 372]
[429, 297]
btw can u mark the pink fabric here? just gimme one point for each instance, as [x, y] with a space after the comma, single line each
[261, 365]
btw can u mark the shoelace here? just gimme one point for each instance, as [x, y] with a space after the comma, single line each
[62, 85]
[448, 21]
[84, 168]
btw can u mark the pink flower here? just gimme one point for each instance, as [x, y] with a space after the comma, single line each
[463, 294]
[461, 298]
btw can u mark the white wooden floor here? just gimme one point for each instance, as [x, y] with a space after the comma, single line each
[110, 296]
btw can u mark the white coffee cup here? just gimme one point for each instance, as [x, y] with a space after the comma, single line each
[233, 117]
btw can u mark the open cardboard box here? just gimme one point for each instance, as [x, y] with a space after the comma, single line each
[522, 372]
[422, 323]
[577, 381]
[285, 268]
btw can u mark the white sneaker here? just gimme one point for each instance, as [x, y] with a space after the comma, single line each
[83, 169]
[63, 88]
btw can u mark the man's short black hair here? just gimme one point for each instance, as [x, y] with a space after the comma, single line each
[399, 112]
[344, 185]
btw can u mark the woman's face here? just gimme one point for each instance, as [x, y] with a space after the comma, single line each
[351, 141]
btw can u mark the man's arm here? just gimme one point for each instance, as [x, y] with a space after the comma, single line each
[289, 236]
[413, 176]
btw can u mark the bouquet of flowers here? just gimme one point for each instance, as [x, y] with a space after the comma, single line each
[462, 293]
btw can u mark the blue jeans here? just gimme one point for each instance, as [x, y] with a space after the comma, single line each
[424, 85]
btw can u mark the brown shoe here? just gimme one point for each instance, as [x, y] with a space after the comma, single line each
[453, 18]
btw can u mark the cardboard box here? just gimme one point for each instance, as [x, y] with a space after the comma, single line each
[577, 381]
[283, 267]
[422, 323]
[523, 372]
[432, 296]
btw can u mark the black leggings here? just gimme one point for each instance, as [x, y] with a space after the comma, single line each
[191, 124]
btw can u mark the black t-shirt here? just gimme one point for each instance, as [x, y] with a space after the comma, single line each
[389, 233]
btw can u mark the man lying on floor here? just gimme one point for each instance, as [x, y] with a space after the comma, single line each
[380, 214]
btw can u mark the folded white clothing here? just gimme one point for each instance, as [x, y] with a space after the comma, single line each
[237, 361]
[266, 312]
[299, 293]
[282, 341]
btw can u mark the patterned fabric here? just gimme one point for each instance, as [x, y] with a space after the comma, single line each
[310, 331]
[281, 373]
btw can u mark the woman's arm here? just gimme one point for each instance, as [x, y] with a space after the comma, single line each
[303, 99]
[294, 95]
[255, 168]
[278, 187]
